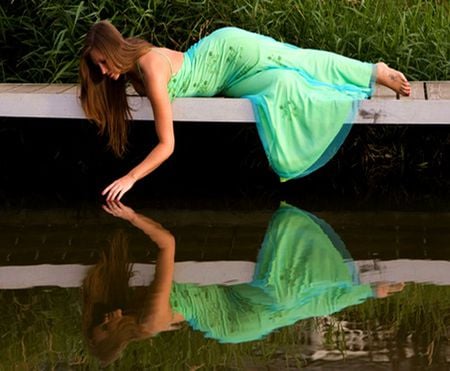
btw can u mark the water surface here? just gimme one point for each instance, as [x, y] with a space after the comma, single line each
[279, 288]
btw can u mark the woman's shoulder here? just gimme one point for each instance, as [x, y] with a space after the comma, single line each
[155, 63]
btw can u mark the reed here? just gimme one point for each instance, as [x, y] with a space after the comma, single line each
[41, 330]
[41, 40]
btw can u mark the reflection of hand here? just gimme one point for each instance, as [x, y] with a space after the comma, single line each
[384, 289]
[118, 209]
[118, 188]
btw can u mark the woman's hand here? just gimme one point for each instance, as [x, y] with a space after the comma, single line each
[118, 188]
[119, 210]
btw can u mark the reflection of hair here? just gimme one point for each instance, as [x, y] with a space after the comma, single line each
[104, 100]
[105, 289]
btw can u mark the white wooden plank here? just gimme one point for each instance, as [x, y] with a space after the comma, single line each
[199, 109]
[26, 88]
[438, 90]
[7, 87]
[219, 272]
[405, 270]
[417, 91]
[404, 112]
[11, 87]
[40, 106]
[382, 92]
[66, 105]
[72, 275]
[131, 91]
[37, 88]
[55, 88]
[73, 90]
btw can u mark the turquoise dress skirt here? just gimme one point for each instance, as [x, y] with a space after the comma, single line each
[303, 99]
[303, 270]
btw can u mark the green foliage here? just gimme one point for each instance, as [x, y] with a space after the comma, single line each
[420, 313]
[41, 40]
[41, 329]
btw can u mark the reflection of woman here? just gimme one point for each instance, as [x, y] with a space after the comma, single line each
[302, 271]
[301, 97]
[113, 313]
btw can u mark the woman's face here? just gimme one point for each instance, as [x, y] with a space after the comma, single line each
[109, 325]
[106, 69]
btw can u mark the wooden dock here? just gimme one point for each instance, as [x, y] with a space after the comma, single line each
[436, 272]
[429, 103]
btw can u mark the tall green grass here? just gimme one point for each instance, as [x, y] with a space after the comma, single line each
[41, 330]
[41, 40]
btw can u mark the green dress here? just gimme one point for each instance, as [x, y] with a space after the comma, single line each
[302, 98]
[303, 271]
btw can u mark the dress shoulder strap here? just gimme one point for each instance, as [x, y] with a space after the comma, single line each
[161, 54]
[166, 58]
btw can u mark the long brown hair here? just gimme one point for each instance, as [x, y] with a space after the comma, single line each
[104, 100]
[106, 288]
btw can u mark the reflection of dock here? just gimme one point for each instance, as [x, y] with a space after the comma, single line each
[360, 348]
[56, 247]
[429, 103]
[405, 270]
[59, 236]
[220, 272]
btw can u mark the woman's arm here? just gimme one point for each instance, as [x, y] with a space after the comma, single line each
[156, 73]
[157, 313]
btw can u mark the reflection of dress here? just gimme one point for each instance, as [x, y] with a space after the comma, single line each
[301, 97]
[301, 272]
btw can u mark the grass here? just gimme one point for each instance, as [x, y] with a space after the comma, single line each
[41, 329]
[42, 39]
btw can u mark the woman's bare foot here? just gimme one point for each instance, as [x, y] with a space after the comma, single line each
[393, 79]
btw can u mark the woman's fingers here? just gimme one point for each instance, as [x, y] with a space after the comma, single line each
[116, 193]
[113, 207]
[119, 195]
[109, 208]
[114, 189]
[107, 189]
[118, 188]
[112, 194]
[118, 209]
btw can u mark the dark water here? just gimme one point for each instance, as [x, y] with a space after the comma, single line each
[259, 288]
[64, 163]
[354, 276]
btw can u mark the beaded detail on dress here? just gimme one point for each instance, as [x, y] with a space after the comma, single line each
[303, 99]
